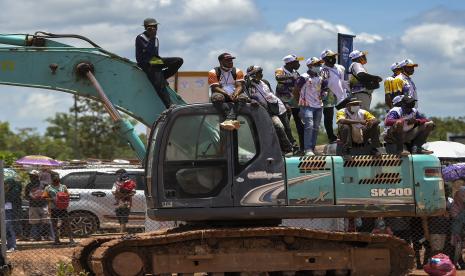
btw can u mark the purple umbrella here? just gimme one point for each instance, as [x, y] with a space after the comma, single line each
[38, 160]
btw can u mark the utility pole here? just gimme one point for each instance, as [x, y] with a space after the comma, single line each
[75, 138]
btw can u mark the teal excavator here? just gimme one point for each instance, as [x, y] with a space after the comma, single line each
[231, 188]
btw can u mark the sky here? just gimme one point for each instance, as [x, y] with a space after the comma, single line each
[257, 32]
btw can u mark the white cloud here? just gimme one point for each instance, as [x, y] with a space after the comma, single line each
[437, 40]
[368, 38]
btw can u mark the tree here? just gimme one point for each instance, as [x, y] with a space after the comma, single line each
[95, 135]
[447, 125]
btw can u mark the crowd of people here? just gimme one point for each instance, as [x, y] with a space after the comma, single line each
[317, 93]
[49, 200]
[307, 98]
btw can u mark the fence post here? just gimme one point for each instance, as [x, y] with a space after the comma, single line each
[2, 212]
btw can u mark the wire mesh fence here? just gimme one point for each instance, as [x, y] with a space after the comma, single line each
[40, 233]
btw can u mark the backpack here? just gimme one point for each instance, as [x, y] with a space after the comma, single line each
[218, 73]
[128, 186]
[62, 200]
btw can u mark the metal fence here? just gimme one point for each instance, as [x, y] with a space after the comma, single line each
[37, 239]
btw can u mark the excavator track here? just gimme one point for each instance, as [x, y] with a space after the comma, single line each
[255, 250]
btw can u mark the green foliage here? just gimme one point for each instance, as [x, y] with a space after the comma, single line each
[90, 134]
[66, 269]
[445, 126]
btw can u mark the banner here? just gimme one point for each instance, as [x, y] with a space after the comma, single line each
[345, 44]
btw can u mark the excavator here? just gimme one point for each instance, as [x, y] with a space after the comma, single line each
[231, 188]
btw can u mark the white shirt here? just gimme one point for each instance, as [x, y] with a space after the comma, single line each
[409, 87]
[355, 86]
[336, 82]
[267, 95]
[310, 93]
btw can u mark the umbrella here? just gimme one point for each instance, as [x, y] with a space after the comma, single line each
[454, 172]
[37, 160]
[10, 174]
[446, 149]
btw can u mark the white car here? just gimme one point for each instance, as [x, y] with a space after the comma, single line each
[92, 205]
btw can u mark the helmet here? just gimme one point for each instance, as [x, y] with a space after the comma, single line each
[150, 22]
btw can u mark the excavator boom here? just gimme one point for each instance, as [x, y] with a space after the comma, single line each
[37, 61]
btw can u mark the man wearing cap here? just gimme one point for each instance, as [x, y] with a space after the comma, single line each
[336, 92]
[361, 83]
[286, 77]
[158, 69]
[408, 86]
[259, 89]
[308, 90]
[226, 84]
[357, 126]
[392, 86]
[405, 125]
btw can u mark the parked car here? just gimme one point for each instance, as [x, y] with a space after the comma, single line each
[92, 204]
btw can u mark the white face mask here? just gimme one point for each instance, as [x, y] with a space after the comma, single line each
[315, 69]
[354, 108]
[226, 68]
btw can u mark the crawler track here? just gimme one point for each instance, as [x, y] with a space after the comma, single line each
[273, 250]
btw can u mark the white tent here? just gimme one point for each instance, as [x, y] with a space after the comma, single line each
[446, 149]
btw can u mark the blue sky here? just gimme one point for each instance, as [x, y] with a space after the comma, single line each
[258, 32]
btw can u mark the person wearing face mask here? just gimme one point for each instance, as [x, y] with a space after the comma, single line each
[308, 90]
[337, 86]
[361, 83]
[286, 77]
[357, 126]
[408, 86]
[392, 86]
[259, 89]
[404, 125]
[227, 87]
[157, 69]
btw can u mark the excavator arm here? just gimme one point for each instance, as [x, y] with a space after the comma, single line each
[39, 61]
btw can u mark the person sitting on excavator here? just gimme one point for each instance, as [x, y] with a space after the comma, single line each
[158, 69]
[227, 87]
[259, 89]
[405, 125]
[357, 126]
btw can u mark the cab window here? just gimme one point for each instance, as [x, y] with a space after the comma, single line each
[195, 157]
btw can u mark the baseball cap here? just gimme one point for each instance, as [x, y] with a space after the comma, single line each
[356, 54]
[313, 61]
[353, 100]
[327, 53]
[397, 99]
[395, 66]
[407, 62]
[253, 69]
[225, 56]
[408, 100]
[34, 172]
[150, 22]
[290, 58]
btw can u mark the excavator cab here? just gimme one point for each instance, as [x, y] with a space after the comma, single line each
[192, 163]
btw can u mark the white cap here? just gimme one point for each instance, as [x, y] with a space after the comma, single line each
[313, 61]
[407, 62]
[395, 66]
[289, 58]
[327, 53]
[356, 54]
[397, 100]
[34, 172]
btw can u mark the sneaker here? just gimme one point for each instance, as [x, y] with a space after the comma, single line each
[309, 153]
[236, 124]
[56, 242]
[228, 125]
[404, 153]
[11, 250]
[421, 150]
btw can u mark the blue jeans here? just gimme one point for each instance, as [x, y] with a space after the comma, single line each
[311, 118]
[10, 230]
